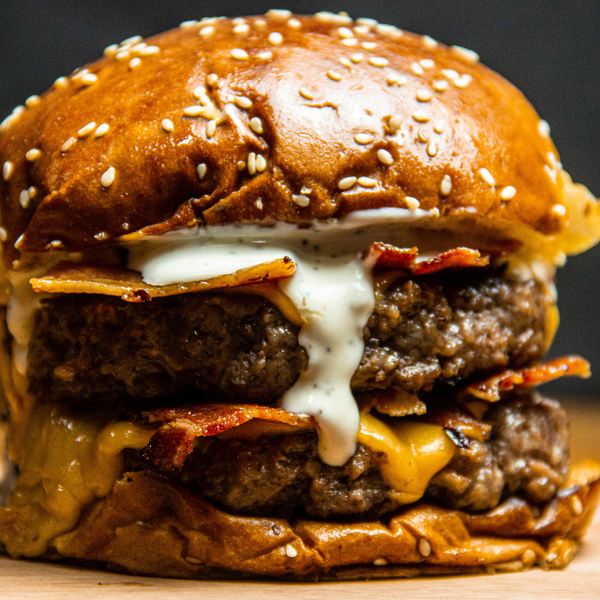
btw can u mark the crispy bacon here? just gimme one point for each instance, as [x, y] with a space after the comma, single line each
[491, 388]
[390, 257]
[457, 420]
[395, 403]
[78, 278]
[174, 440]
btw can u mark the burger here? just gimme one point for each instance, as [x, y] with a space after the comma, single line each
[277, 295]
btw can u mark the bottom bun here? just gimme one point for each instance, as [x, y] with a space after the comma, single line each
[151, 526]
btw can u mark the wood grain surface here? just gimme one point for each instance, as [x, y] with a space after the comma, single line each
[33, 580]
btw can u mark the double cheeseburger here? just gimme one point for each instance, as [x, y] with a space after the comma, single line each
[277, 293]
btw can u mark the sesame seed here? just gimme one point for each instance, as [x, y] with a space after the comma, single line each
[53, 243]
[20, 239]
[275, 39]
[32, 191]
[267, 55]
[167, 125]
[212, 79]
[369, 45]
[259, 203]
[211, 127]
[199, 92]
[135, 39]
[350, 42]
[427, 63]
[67, 145]
[424, 96]
[122, 55]
[334, 75]
[201, 170]
[194, 111]
[32, 101]
[438, 126]
[394, 123]
[261, 163]
[260, 23]
[440, 85]
[346, 183]
[367, 22]
[379, 61]
[380, 562]
[446, 186]
[429, 41]
[325, 16]
[243, 102]
[357, 57]
[239, 54]
[363, 138]
[346, 62]
[306, 94]
[508, 192]
[487, 177]
[559, 209]
[385, 157]
[33, 154]
[420, 116]
[432, 148]
[188, 24]
[61, 82]
[390, 31]
[290, 551]
[450, 74]
[193, 561]
[88, 79]
[412, 203]
[466, 54]
[135, 62]
[435, 212]
[463, 81]
[8, 169]
[241, 29]
[277, 13]
[367, 182]
[3, 234]
[362, 29]
[345, 32]
[252, 163]
[108, 178]
[138, 48]
[239, 20]
[149, 51]
[417, 69]
[305, 190]
[294, 24]
[101, 130]
[87, 129]
[101, 236]
[301, 200]
[423, 135]
[424, 547]
[256, 125]
[528, 557]
[544, 128]
[111, 50]
[576, 505]
[24, 199]
[241, 165]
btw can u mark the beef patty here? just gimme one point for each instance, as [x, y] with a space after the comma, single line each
[96, 350]
[281, 476]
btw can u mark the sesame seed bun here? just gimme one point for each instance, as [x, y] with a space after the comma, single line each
[314, 119]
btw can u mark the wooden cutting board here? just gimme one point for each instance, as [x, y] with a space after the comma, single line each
[24, 580]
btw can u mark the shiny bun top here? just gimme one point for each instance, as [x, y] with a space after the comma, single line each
[273, 118]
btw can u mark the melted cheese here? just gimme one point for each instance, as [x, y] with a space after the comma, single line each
[414, 453]
[66, 463]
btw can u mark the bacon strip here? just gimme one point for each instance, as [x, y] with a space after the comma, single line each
[458, 420]
[491, 388]
[174, 440]
[391, 257]
[78, 278]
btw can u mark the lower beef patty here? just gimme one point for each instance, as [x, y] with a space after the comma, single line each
[90, 349]
[281, 476]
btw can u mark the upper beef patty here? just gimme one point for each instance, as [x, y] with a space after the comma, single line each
[89, 350]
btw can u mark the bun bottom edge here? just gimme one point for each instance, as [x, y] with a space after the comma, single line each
[149, 525]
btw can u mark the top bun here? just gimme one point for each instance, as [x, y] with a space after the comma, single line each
[199, 123]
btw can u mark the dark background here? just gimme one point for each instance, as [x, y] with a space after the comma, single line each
[549, 49]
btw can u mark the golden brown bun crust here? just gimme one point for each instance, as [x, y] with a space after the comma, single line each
[148, 525]
[479, 121]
